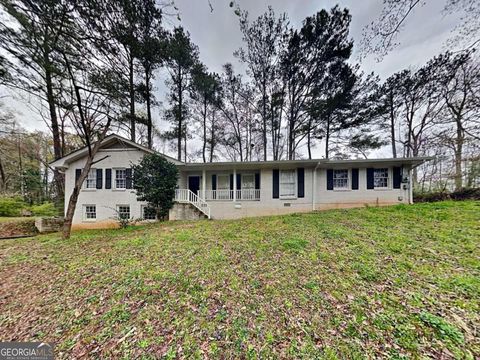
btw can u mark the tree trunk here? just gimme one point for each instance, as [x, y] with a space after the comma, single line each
[132, 99]
[149, 110]
[212, 136]
[458, 155]
[72, 201]
[204, 148]
[179, 115]
[264, 118]
[327, 139]
[57, 143]
[392, 126]
[309, 139]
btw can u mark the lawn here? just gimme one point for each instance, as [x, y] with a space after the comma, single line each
[396, 282]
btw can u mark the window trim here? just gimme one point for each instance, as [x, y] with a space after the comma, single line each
[84, 213]
[125, 205]
[142, 209]
[287, 197]
[389, 179]
[114, 187]
[349, 180]
[85, 183]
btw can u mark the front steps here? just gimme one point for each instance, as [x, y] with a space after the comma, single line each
[185, 211]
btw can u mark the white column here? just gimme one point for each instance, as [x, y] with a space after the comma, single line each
[204, 184]
[234, 185]
[314, 187]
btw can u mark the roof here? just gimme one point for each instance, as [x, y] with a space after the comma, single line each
[321, 163]
[107, 141]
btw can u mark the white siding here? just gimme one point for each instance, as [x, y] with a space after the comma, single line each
[105, 200]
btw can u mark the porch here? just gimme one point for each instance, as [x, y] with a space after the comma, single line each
[223, 185]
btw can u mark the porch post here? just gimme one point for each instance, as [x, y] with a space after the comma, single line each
[314, 186]
[204, 184]
[234, 184]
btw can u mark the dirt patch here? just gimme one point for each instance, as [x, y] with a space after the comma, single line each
[24, 227]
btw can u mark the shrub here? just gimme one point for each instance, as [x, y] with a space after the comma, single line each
[466, 194]
[45, 209]
[461, 194]
[11, 205]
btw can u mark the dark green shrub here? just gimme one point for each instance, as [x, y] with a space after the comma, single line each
[45, 209]
[11, 205]
[431, 196]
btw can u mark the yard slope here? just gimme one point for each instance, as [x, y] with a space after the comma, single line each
[372, 282]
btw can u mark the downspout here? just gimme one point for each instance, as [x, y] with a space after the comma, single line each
[314, 185]
[410, 183]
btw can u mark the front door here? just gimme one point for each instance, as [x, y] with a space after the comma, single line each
[194, 184]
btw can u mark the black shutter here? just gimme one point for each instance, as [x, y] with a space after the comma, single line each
[128, 174]
[231, 181]
[329, 179]
[214, 186]
[370, 182]
[276, 184]
[78, 172]
[301, 182]
[239, 182]
[108, 178]
[214, 182]
[257, 181]
[99, 178]
[397, 177]
[354, 179]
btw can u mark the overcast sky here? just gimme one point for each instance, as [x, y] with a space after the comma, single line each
[217, 35]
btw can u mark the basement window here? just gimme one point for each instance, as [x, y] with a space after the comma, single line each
[90, 212]
[123, 211]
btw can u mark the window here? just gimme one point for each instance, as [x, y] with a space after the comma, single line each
[149, 213]
[90, 212]
[223, 187]
[380, 178]
[91, 181]
[288, 183]
[120, 178]
[248, 181]
[340, 179]
[123, 211]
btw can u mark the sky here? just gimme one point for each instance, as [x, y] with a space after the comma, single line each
[213, 27]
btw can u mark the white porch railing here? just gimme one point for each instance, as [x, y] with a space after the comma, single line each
[189, 197]
[219, 195]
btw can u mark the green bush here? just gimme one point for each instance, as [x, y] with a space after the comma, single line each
[45, 209]
[11, 205]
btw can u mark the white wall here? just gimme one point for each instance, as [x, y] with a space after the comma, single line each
[105, 199]
[324, 199]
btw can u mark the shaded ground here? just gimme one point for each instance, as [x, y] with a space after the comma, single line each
[17, 226]
[392, 282]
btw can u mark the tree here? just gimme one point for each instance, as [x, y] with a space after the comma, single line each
[151, 54]
[155, 181]
[182, 56]
[239, 125]
[264, 39]
[459, 85]
[206, 96]
[30, 37]
[381, 36]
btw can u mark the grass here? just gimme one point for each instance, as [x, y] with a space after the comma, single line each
[396, 282]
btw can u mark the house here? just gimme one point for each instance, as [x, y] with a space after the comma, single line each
[227, 190]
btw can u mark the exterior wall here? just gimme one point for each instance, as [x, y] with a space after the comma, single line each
[324, 199]
[105, 200]
[184, 212]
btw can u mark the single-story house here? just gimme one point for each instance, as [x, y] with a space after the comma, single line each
[227, 190]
